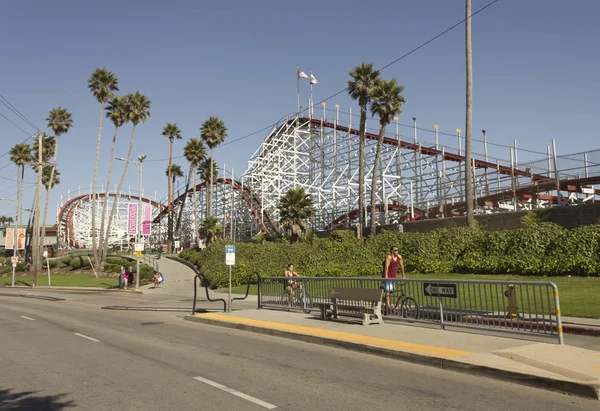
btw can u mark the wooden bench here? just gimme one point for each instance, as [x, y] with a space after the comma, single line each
[352, 301]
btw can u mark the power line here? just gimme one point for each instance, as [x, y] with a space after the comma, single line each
[17, 112]
[13, 123]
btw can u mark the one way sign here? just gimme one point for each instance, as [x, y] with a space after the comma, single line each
[439, 290]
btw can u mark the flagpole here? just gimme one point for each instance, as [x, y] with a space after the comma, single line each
[298, 88]
[310, 109]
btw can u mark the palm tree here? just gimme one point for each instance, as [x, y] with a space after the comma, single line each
[364, 81]
[204, 171]
[172, 132]
[48, 144]
[213, 132]
[173, 173]
[137, 111]
[295, 207]
[47, 175]
[387, 103]
[102, 83]
[195, 153]
[6, 221]
[469, 118]
[60, 122]
[212, 228]
[20, 155]
[116, 111]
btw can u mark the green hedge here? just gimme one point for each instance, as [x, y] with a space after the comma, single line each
[537, 249]
[53, 263]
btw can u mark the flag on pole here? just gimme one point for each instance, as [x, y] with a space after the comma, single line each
[313, 80]
[302, 74]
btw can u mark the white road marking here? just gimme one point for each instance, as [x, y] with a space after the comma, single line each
[237, 393]
[85, 336]
[27, 318]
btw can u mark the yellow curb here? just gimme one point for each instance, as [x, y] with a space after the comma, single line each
[337, 335]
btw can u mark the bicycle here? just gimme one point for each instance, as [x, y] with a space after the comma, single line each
[301, 299]
[402, 305]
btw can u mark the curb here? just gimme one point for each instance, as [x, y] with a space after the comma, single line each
[547, 383]
[589, 331]
[84, 289]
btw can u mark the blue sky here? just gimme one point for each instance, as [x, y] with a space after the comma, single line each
[535, 72]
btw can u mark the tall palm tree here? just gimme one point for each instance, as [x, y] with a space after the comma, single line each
[295, 207]
[469, 118]
[47, 149]
[172, 132]
[102, 83]
[20, 155]
[387, 103]
[173, 173]
[364, 81]
[204, 171]
[60, 122]
[213, 132]
[212, 228]
[116, 111]
[195, 153]
[137, 111]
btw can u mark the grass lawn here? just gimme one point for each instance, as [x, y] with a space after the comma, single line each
[75, 280]
[578, 295]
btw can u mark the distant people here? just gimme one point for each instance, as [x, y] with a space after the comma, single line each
[290, 285]
[157, 278]
[390, 270]
[126, 277]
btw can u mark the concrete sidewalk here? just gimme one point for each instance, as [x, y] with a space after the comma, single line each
[544, 365]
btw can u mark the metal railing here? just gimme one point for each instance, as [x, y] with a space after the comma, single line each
[524, 307]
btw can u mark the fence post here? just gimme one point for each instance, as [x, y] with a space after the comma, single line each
[559, 329]
[441, 314]
[259, 293]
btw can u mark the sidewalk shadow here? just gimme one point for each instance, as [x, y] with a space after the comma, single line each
[28, 401]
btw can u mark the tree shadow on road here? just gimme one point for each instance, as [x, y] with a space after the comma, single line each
[29, 401]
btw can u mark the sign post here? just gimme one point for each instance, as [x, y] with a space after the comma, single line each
[229, 260]
[47, 266]
[440, 291]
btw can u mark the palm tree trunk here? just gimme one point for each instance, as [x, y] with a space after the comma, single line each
[169, 189]
[469, 119]
[209, 191]
[187, 187]
[194, 205]
[19, 205]
[361, 169]
[43, 236]
[102, 254]
[114, 205]
[94, 183]
[374, 178]
[20, 188]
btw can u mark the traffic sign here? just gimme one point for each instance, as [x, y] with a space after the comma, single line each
[14, 259]
[439, 290]
[229, 255]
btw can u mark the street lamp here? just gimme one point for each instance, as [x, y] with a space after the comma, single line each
[139, 165]
[16, 229]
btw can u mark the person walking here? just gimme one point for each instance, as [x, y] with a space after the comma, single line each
[390, 270]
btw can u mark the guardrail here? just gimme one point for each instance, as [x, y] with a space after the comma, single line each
[528, 308]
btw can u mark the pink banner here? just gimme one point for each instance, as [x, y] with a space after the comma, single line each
[132, 218]
[147, 219]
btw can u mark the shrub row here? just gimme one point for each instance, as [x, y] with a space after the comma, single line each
[537, 249]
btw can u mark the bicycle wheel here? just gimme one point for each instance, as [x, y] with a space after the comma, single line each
[306, 302]
[409, 308]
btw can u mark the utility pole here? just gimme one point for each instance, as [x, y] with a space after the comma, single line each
[36, 247]
[469, 118]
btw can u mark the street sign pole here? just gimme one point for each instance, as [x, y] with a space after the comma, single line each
[230, 261]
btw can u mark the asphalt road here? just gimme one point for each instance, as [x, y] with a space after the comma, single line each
[60, 354]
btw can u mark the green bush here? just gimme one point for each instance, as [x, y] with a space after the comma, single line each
[53, 263]
[76, 263]
[539, 248]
